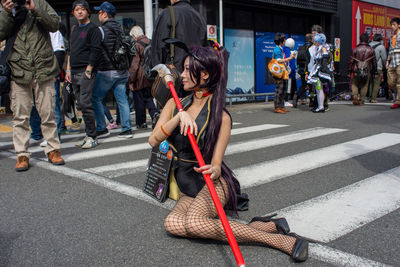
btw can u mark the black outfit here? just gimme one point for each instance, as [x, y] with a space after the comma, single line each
[143, 99]
[302, 71]
[191, 29]
[189, 181]
[85, 50]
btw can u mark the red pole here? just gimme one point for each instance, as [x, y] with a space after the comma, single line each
[221, 213]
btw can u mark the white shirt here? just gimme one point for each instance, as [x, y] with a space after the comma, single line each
[57, 41]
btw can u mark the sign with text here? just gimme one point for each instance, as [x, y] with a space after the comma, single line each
[158, 171]
[372, 19]
[212, 32]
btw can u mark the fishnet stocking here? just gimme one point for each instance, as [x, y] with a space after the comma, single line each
[268, 227]
[196, 217]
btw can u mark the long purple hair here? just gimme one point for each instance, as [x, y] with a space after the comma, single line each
[215, 63]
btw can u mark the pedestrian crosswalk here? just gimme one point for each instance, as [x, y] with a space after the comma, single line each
[324, 218]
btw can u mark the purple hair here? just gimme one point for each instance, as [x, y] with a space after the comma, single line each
[215, 63]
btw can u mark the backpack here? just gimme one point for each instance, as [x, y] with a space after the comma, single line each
[123, 50]
[361, 68]
[302, 54]
[147, 66]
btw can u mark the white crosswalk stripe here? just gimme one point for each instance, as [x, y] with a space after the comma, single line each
[266, 172]
[337, 213]
[142, 146]
[121, 169]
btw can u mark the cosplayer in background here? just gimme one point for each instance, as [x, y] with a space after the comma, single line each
[194, 215]
[319, 73]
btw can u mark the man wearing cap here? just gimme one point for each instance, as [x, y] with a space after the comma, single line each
[82, 66]
[33, 68]
[111, 76]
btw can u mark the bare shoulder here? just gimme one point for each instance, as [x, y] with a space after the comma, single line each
[226, 118]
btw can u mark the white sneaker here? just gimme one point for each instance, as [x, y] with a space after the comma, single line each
[287, 104]
[90, 143]
[43, 144]
[82, 142]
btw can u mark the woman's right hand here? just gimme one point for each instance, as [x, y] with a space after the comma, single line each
[187, 122]
[8, 5]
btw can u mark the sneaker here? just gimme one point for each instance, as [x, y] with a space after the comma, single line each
[43, 144]
[279, 110]
[102, 134]
[373, 101]
[90, 143]
[288, 104]
[82, 142]
[394, 106]
[112, 125]
[126, 134]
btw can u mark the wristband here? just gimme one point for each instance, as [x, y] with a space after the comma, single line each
[181, 109]
[164, 131]
[88, 72]
[69, 71]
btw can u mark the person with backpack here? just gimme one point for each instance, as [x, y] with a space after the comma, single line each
[380, 54]
[393, 61]
[82, 67]
[138, 82]
[302, 58]
[182, 22]
[362, 65]
[112, 74]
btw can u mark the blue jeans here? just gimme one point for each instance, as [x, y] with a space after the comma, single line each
[102, 85]
[35, 120]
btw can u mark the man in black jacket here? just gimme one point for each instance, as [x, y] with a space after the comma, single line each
[112, 75]
[190, 29]
[81, 68]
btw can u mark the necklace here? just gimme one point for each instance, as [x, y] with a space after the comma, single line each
[200, 95]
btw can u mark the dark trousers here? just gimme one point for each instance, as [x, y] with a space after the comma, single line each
[303, 87]
[280, 89]
[142, 100]
[83, 90]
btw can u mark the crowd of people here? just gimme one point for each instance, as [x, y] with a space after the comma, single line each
[98, 59]
[370, 66]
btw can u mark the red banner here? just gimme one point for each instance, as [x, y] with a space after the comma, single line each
[369, 18]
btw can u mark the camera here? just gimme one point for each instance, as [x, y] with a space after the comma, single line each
[19, 3]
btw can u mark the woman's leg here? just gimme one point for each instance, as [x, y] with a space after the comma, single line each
[201, 222]
[321, 98]
[175, 221]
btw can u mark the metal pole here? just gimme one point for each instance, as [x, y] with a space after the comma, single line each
[221, 22]
[156, 7]
[148, 18]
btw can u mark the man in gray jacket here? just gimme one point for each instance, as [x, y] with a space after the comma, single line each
[33, 65]
[380, 54]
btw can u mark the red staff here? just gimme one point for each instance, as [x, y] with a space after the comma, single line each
[167, 78]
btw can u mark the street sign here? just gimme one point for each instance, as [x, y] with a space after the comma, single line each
[212, 32]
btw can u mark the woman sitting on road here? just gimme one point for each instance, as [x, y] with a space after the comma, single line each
[194, 215]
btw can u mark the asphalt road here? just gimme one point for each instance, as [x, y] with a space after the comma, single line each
[333, 175]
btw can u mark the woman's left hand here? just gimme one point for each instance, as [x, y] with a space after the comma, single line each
[213, 170]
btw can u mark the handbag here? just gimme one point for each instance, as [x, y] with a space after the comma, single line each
[160, 92]
[278, 70]
[5, 70]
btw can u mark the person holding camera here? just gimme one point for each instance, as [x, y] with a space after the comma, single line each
[81, 72]
[33, 65]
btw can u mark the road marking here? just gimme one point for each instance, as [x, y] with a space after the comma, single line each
[316, 251]
[340, 258]
[330, 216]
[131, 167]
[101, 141]
[269, 171]
[132, 148]
[366, 103]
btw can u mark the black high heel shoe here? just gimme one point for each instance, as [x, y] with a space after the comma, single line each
[281, 224]
[300, 249]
